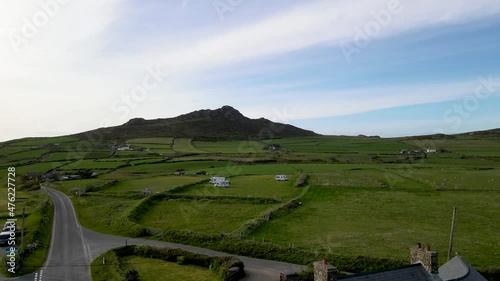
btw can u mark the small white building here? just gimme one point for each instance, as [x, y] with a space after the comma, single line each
[122, 148]
[217, 179]
[281, 178]
[431, 150]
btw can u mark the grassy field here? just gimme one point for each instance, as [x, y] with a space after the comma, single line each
[170, 167]
[92, 164]
[484, 147]
[41, 167]
[256, 186]
[324, 144]
[385, 223]
[207, 217]
[158, 270]
[43, 141]
[138, 141]
[106, 214]
[156, 184]
[184, 145]
[230, 146]
[154, 145]
[365, 198]
[233, 169]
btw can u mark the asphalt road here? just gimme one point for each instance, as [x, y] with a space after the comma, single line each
[73, 247]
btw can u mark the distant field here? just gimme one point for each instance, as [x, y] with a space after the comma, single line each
[170, 167]
[201, 216]
[184, 145]
[135, 154]
[158, 270]
[44, 141]
[232, 169]
[460, 179]
[462, 146]
[155, 145]
[156, 184]
[39, 167]
[27, 154]
[324, 144]
[98, 153]
[70, 185]
[230, 146]
[256, 186]
[61, 156]
[92, 164]
[164, 141]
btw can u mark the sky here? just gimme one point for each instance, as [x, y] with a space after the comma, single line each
[338, 67]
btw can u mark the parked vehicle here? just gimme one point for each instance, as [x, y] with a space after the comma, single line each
[4, 237]
[9, 226]
[222, 184]
[281, 178]
[217, 179]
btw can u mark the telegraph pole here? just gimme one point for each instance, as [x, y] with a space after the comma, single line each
[452, 231]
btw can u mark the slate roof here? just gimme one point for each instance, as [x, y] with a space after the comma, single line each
[415, 272]
[457, 269]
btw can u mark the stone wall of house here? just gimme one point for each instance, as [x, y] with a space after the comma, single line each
[425, 256]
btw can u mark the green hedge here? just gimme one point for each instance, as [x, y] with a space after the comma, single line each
[112, 269]
[271, 251]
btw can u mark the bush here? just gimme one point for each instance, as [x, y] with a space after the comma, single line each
[220, 265]
[131, 275]
[180, 260]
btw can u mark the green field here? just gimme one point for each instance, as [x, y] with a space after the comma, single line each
[230, 146]
[164, 141]
[170, 167]
[364, 196]
[106, 214]
[158, 270]
[91, 164]
[325, 144]
[384, 223]
[205, 216]
[156, 184]
[253, 186]
[184, 145]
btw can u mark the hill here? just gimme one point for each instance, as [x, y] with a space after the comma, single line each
[225, 123]
[477, 135]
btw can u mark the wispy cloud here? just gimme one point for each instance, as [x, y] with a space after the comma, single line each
[319, 22]
[75, 63]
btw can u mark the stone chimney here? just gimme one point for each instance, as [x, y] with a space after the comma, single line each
[324, 271]
[426, 257]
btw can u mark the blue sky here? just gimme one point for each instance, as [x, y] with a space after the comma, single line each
[375, 67]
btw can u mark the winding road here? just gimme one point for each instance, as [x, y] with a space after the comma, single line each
[73, 247]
